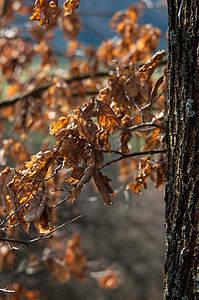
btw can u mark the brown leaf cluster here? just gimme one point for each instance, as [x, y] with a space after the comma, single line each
[24, 194]
[155, 169]
[45, 10]
[70, 6]
[128, 112]
[129, 94]
[86, 139]
[130, 105]
[81, 142]
[68, 261]
[79, 147]
[139, 180]
[135, 42]
[14, 55]
[71, 26]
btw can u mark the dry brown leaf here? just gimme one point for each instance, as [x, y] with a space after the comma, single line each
[149, 67]
[107, 118]
[45, 10]
[152, 142]
[158, 172]
[36, 207]
[139, 180]
[102, 183]
[70, 6]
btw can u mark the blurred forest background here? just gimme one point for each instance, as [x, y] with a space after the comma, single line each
[127, 236]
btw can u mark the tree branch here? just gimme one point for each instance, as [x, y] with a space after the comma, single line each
[39, 90]
[8, 218]
[143, 125]
[6, 290]
[59, 227]
[123, 156]
[25, 242]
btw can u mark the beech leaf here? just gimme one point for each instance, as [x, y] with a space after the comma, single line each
[102, 183]
[107, 118]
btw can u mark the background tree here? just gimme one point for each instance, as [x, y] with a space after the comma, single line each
[182, 186]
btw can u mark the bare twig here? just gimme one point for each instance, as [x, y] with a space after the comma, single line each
[62, 201]
[134, 154]
[6, 290]
[56, 170]
[11, 247]
[24, 242]
[59, 227]
[8, 218]
[39, 90]
[136, 127]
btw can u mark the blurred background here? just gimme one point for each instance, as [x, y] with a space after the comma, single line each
[128, 236]
[96, 16]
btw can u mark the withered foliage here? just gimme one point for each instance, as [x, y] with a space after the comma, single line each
[45, 10]
[126, 102]
[134, 43]
[67, 261]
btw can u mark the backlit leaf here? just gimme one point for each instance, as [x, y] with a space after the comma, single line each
[102, 183]
[107, 118]
[70, 6]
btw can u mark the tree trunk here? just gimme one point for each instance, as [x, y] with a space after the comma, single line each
[182, 132]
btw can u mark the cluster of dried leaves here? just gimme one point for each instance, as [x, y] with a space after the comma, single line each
[44, 10]
[129, 106]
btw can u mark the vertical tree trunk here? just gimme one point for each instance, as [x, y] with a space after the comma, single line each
[182, 121]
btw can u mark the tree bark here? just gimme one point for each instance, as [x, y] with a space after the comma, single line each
[182, 133]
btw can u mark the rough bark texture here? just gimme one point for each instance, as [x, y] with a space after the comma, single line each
[182, 186]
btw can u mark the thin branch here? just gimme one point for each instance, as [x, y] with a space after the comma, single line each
[56, 171]
[152, 101]
[25, 242]
[34, 93]
[6, 290]
[59, 227]
[148, 152]
[114, 151]
[39, 239]
[8, 218]
[39, 90]
[13, 241]
[13, 249]
[62, 201]
[142, 125]
[94, 31]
